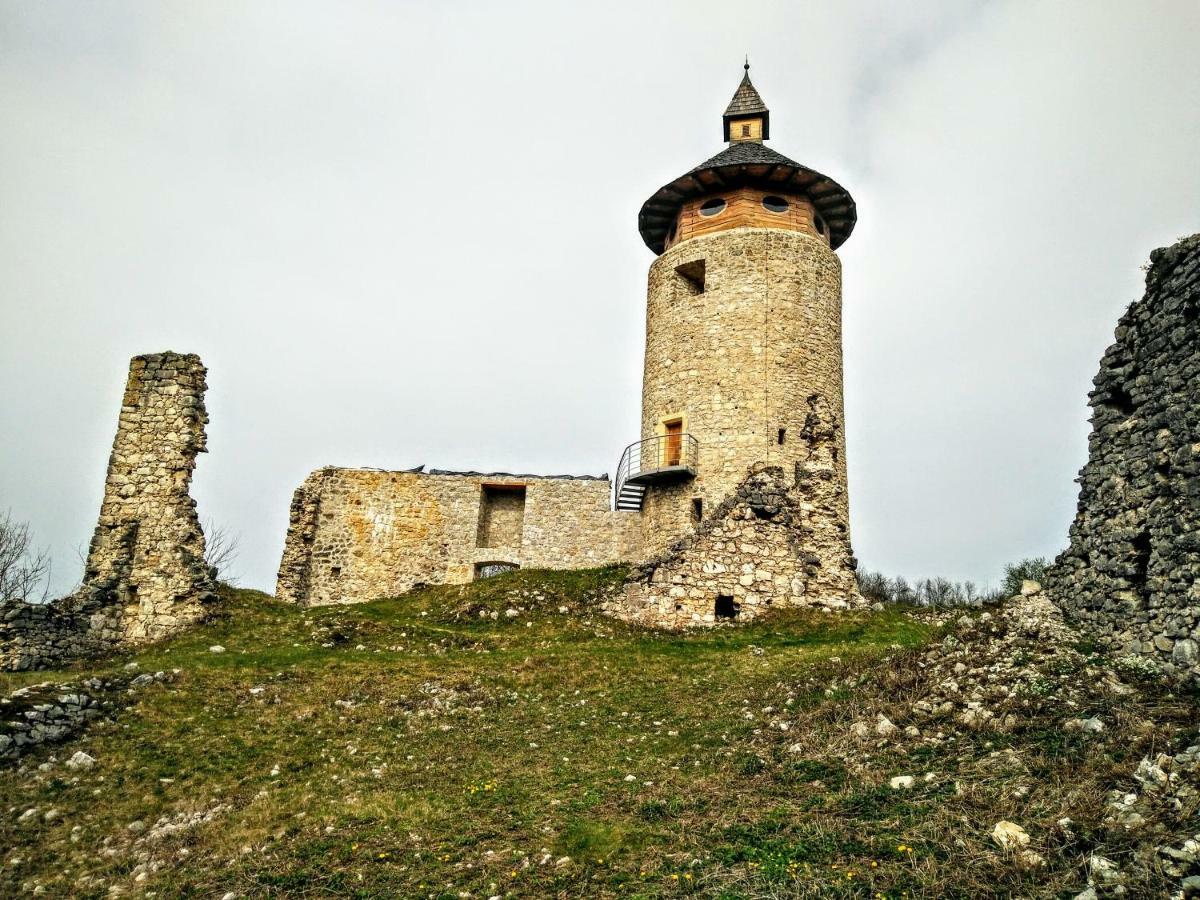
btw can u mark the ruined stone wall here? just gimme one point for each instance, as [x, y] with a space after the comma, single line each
[754, 552]
[360, 534]
[1132, 571]
[740, 362]
[145, 576]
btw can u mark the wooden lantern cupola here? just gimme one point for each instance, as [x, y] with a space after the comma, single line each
[746, 117]
[747, 185]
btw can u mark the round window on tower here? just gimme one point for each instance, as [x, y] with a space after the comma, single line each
[819, 223]
[775, 204]
[712, 207]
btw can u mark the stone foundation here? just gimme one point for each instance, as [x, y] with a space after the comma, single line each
[755, 552]
[1131, 574]
[361, 534]
[145, 576]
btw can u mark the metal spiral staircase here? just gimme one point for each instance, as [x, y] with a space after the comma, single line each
[665, 459]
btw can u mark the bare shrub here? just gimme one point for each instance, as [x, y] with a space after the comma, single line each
[24, 570]
[221, 549]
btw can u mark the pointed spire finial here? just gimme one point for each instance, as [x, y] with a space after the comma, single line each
[747, 104]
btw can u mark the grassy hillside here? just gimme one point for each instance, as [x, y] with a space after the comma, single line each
[502, 739]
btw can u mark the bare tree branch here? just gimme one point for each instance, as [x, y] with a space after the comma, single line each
[24, 571]
[221, 548]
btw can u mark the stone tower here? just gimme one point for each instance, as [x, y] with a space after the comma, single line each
[743, 361]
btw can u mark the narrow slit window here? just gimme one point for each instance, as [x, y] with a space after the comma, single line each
[781, 436]
[697, 509]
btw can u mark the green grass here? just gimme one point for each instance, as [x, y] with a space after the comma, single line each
[420, 747]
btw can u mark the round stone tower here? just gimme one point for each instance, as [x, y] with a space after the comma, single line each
[743, 334]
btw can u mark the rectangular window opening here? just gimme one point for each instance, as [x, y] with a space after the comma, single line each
[691, 276]
[501, 515]
[726, 608]
[781, 436]
[697, 509]
[335, 571]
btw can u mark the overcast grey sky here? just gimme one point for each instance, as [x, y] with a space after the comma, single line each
[405, 232]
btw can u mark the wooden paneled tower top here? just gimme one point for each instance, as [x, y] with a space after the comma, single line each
[729, 190]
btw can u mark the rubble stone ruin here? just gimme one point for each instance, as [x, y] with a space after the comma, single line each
[145, 576]
[1132, 570]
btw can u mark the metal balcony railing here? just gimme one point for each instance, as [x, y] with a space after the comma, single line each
[668, 457]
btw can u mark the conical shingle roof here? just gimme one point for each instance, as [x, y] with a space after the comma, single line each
[746, 101]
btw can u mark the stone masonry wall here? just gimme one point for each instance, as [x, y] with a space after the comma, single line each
[145, 576]
[360, 534]
[739, 361]
[757, 550]
[1132, 571]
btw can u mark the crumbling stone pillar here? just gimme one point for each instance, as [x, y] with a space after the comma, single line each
[148, 549]
[145, 576]
[1132, 571]
[821, 485]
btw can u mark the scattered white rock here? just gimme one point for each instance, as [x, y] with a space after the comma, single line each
[1010, 836]
[216, 648]
[80, 760]
[1030, 860]
[902, 782]
[884, 726]
[1103, 871]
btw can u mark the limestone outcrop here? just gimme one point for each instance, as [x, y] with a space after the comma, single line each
[145, 576]
[1131, 574]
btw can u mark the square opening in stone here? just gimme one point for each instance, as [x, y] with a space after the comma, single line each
[691, 275]
[501, 515]
[726, 608]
